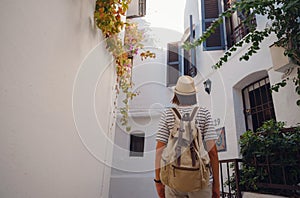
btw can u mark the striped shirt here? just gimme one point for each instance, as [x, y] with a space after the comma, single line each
[203, 121]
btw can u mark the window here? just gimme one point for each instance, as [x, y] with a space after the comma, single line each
[179, 61]
[137, 141]
[210, 11]
[258, 104]
[234, 28]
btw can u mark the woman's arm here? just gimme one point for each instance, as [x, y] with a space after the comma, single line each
[214, 161]
[160, 188]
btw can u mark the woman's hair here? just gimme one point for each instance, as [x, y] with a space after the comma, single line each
[175, 100]
[184, 99]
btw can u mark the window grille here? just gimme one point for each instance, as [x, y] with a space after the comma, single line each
[258, 104]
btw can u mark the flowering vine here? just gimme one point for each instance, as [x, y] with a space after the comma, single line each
[108, 17]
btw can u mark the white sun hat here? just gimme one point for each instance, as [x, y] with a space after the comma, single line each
[185, 86]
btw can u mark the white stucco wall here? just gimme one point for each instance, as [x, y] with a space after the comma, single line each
[226, 95]
[227, 82]
[42, 153]
[133, 176]
[285, 100]
[145, 110]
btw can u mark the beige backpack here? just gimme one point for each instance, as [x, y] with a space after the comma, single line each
[185, 162]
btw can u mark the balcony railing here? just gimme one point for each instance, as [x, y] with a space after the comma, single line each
[230, 188]
[239, 32]
[281, 168]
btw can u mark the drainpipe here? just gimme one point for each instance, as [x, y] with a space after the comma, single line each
[191, 40]
[224, 27]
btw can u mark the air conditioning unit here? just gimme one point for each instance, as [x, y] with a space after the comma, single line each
[281, 63]
[137, 8]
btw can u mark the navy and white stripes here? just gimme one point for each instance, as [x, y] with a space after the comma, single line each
[203, 122]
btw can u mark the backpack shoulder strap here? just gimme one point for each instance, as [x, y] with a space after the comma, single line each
[179, 140]
[176, 113]
[193, 146]
[195, 110]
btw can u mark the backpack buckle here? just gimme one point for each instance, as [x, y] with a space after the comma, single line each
[186, 117]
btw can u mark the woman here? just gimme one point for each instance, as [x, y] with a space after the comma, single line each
[185, 99]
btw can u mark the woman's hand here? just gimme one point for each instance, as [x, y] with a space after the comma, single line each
[215, 192]
[160, 188]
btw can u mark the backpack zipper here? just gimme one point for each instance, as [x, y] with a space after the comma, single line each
[183, 168]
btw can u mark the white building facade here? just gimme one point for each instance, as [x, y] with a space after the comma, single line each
[239, 98]
[59, 137]
[57, 93]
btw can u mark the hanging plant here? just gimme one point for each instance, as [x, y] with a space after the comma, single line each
[108, 17]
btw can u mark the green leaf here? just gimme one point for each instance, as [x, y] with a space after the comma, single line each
[246, 57]
[283, 83]
[297, 90]
[275, 88]
[233, 49]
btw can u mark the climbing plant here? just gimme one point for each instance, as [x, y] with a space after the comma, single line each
[270, 155]
[109, 16]
[284, 16]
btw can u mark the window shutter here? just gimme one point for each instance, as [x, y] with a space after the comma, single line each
[137, 8]
[189, 69]
[190, 66]
[210, 11]
[187, 62]
[173, 62]
[142, 7]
